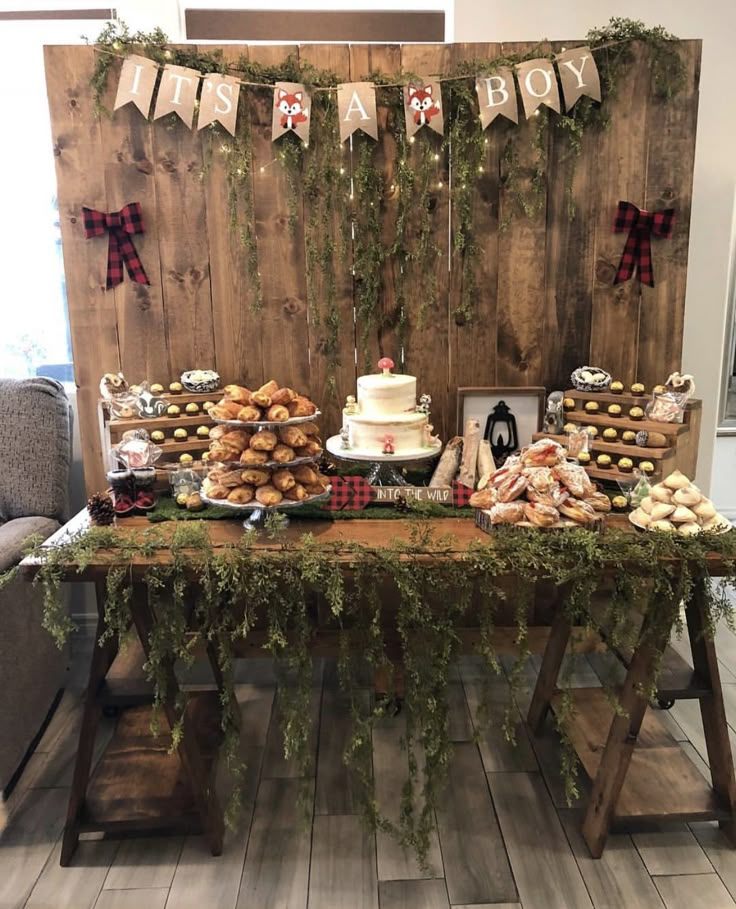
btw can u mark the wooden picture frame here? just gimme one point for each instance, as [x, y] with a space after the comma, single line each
[527, 403]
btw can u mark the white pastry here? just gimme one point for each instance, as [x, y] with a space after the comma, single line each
[689, 529]
[660, 493]
[647, 504]
[683, 515]
[717, 523]
[666, 526]
[676, 480]
[660, 511]
[688, 495]
[705, 510]
[640, 517]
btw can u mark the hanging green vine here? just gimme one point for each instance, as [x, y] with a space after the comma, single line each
[368, 247]
[215, 596]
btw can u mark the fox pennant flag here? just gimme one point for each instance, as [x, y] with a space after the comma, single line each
[177, 93]
[497, 96]
[578, 75]
[137, 82]
[291, 111]
[219, 101]
[423, 107]
[356, 108]
[538, 85]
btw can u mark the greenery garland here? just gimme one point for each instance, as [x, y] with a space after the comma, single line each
[238, 586]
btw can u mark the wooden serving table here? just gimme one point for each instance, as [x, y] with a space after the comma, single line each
[638, 772]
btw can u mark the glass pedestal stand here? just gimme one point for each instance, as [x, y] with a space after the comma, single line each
[383, 470]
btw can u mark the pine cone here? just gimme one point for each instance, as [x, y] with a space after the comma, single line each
[101, 509]
[401, 504]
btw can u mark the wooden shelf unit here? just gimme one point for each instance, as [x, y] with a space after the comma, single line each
[111, 430]
[682, 438]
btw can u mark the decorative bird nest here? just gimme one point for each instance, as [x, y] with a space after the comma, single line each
[590, 378]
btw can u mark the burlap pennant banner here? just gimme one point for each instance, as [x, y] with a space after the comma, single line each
[356, 109]
[497, 96]
[538, 85]
[291, 110]
[219, 101]
[137, 82]
[578, 75]
[177, 93]
[423, 107]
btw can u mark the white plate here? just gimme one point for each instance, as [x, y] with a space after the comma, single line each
[257, 506]
[266, 424]
[713, 530]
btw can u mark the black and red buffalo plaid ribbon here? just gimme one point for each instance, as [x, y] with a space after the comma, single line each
[638, 250]
[120, 226]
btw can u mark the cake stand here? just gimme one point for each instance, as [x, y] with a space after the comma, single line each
[258, 514]
[382, 471]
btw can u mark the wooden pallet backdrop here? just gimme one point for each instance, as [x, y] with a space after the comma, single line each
[546, 300]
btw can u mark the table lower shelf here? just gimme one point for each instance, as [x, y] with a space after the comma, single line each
[139, 783]
[662, 783]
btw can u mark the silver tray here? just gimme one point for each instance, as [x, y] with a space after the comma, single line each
[267, 424]
[706, 531]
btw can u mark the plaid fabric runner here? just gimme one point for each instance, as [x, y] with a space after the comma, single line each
[119, 225]
[638, 251]
[461, 494]
[349, 494]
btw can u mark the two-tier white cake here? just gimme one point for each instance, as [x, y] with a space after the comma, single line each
[385, 419]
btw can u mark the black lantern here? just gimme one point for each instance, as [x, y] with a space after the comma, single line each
[501, 432]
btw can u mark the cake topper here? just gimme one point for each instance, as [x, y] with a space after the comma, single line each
[351, 406]
[388, 445]
[386, 364]
[425, 401]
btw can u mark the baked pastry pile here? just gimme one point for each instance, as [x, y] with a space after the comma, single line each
[538, 487]
[266, 446]
[266, 486]
[677, 506]
[270, 403]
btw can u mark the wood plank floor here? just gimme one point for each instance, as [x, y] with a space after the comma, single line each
[505, 838]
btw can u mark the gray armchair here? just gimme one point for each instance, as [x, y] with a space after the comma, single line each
[35, 430]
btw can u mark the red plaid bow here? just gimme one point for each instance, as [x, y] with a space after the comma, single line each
[119, 226]
[638, 251]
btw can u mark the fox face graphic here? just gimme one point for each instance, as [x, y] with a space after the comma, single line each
[423, 104]
[292, 112]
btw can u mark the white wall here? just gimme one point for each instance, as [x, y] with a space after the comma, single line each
[711, 232]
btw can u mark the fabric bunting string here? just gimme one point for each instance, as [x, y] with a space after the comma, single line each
[637, 252]
[120, 226]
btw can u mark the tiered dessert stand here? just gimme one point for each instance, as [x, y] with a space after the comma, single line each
[257, 514]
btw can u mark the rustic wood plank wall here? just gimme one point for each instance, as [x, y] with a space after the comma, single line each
[545, 304]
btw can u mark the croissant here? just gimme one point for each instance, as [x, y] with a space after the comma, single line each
[278, 413]
[540, 515]
[283, 480]
[306, 475]
[269, 495]
[220, 452]
[227, 411]
[232, 479]
[296, 493]
[301, 407]
[293, 436]
[217, 432]
[580, 512]
[241, 495]
[314, 489]
[238, 438]
[253, 458]
[270, 388]
[261, 400]
[310, 429]
[598, 501]
[485, 498]
[310, 450]
[283, 396]
[283, 454]
[237, 393]
[265, 440]
[216, 491]
[255, 477]
[249, 414]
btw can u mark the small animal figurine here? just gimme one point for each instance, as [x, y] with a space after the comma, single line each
[554, 418]
[292, 112]
[151, 406]
[423, 104]
[351, 406]
[345, 438]
[388, 445]
[425, 402]
[430, 441]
